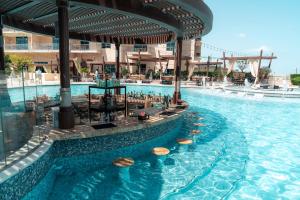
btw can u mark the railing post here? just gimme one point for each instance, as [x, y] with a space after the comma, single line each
[4, 96]
[2, 136]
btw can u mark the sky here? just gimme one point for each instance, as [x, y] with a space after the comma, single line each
[246, 26]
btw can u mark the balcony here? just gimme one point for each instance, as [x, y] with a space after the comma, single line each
[9, 47]
[48, 47]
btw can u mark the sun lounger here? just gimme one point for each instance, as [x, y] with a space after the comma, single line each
[146, 81]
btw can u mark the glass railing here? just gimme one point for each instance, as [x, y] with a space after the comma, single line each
[49, 47]
[140, 47]
[23, 117]
[16, 47]
[45, 46]
[80, 47]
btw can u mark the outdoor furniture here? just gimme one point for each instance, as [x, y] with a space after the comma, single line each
[149, 111]
[167, 80]
[130, 81]
[143, 116]
[264, 86]
[146, 81]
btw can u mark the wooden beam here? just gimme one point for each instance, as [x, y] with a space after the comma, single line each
[20, 8]
[51, 15]
[249, 57]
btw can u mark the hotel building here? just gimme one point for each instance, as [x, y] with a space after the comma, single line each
[44, 52]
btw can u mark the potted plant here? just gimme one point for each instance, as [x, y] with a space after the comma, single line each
[124, 72]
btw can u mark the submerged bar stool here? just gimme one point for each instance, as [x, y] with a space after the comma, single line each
[194, 133]
[199, 124]
[161, 154]
[184, 144]
[123, 165]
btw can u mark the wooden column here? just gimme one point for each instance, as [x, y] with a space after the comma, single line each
[1, 45]
[139, 64]
[160, 66]
[118, 59]
[5, 100]
[270, 63]
[224, 61]
[259, 66]
[117, 91]
[103, 69]
[177, 94]
[208, 64]
[66, 113]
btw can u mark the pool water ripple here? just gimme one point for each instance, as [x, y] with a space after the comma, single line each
[247, 150]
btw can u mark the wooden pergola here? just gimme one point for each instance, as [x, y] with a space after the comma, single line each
[112, 21]
[208, 64]
[138, 57]
[260, 58]
[246, 58]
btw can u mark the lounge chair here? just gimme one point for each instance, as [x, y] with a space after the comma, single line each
[143, 115]
[147, 81]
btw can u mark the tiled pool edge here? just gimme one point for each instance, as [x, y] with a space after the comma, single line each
[13, 179]
[19, 179]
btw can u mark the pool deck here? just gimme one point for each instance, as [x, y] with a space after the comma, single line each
[123, 126]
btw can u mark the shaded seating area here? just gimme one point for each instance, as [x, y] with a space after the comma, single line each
[167, 80]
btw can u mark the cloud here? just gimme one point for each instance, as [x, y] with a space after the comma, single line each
[242, 35]
[265, 48]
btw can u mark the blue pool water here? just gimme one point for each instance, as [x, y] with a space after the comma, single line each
[248, 150]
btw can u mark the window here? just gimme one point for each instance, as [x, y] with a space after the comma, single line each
[170, 46]
[84, 45]
[22, 43]
[41, 68]
[143, 68]
[105, 45]
[55, 43]
[140, 47]
[109, 68]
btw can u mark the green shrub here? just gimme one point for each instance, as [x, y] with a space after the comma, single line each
[184, 75]
[295, 79]
[124, 71]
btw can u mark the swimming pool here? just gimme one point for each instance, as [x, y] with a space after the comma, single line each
[248, 150]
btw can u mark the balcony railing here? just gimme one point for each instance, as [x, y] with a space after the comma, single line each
[16, 47]
[49, 47]
[80, 47]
